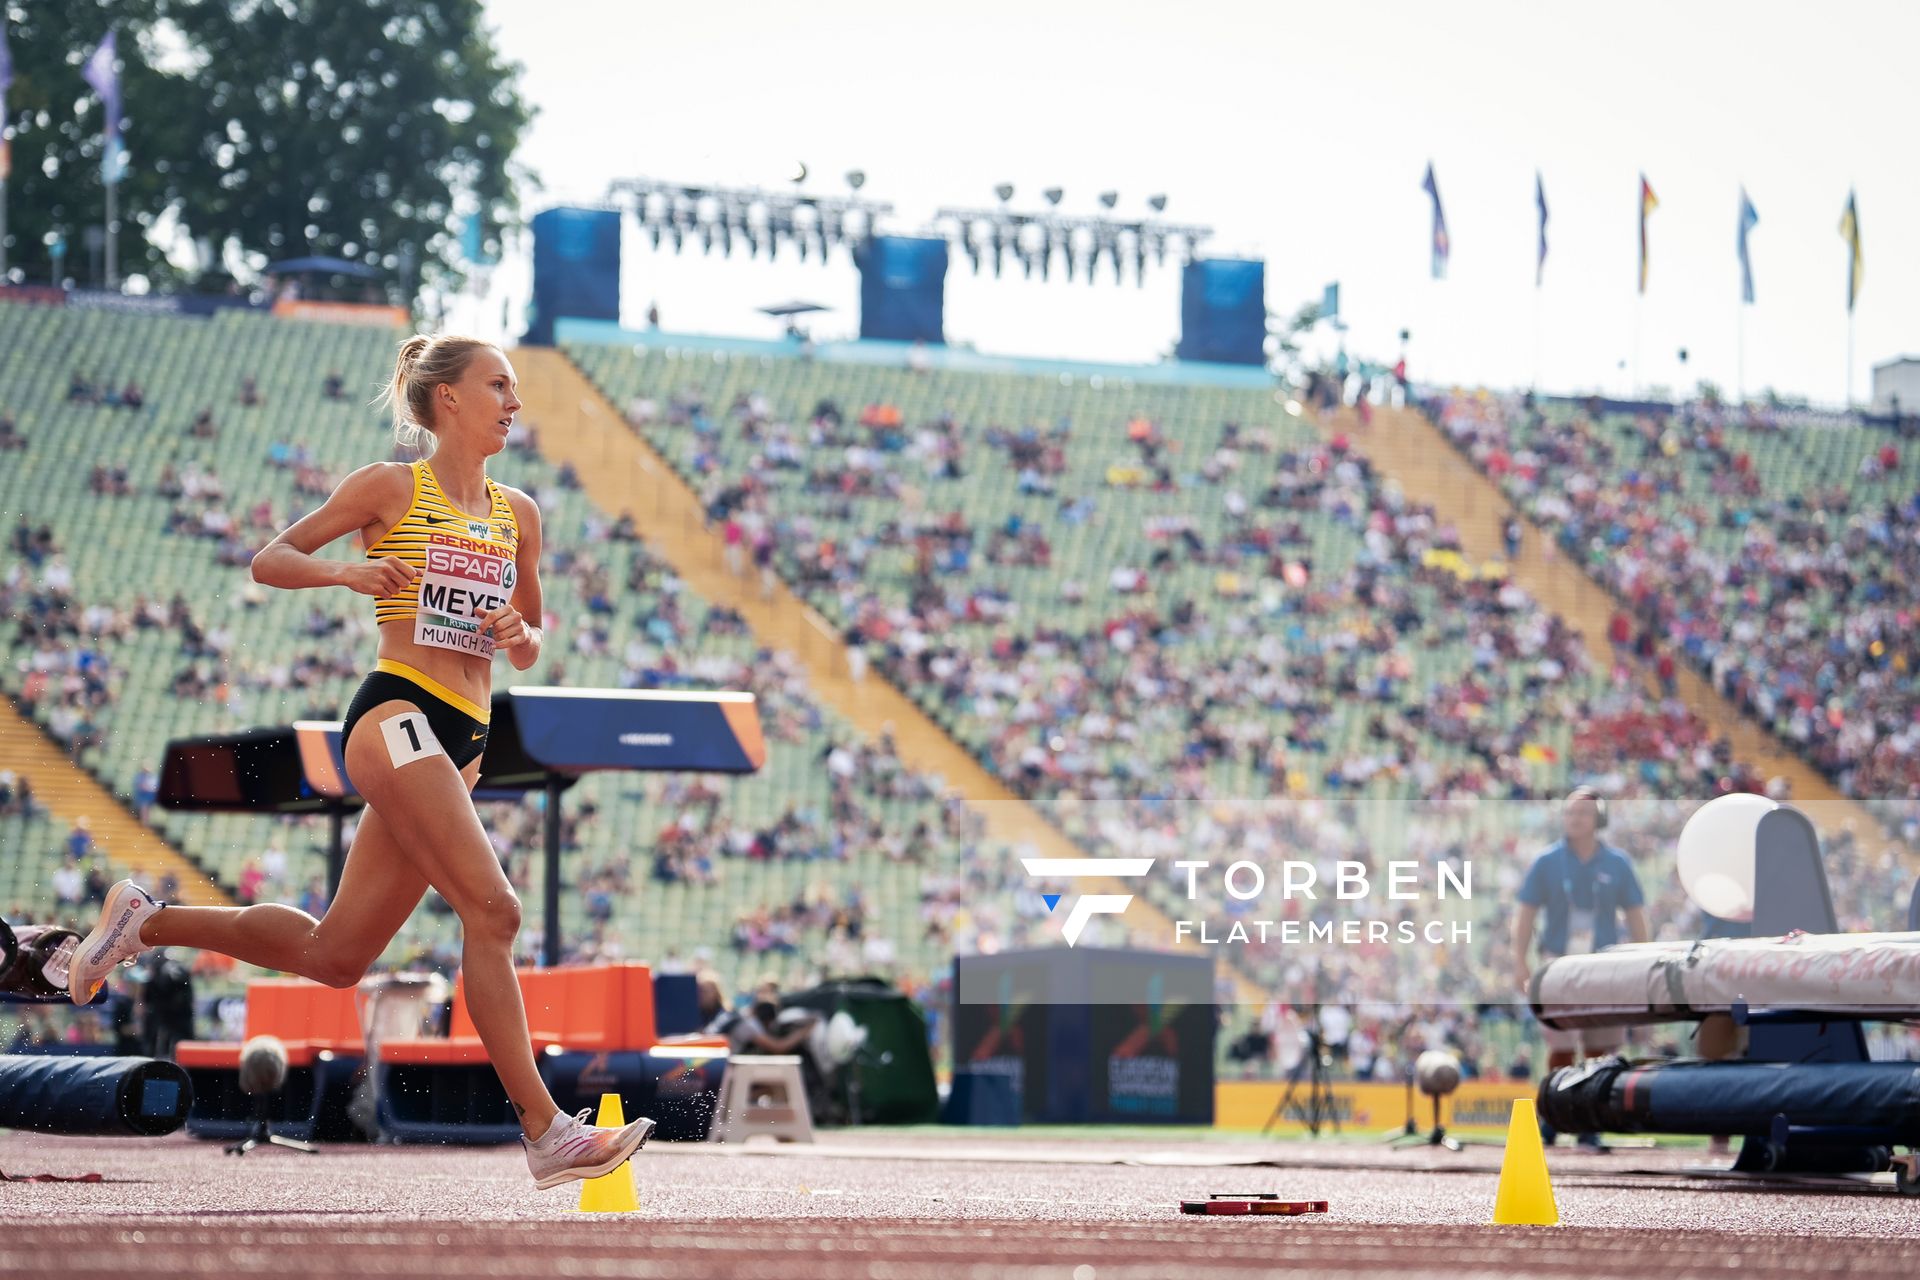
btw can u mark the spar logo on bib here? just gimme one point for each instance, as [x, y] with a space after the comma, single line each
[463, 582]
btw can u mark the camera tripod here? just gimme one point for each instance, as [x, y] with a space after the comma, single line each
[1315, 1106]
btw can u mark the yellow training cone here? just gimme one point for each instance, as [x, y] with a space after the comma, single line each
[1525, 1197]
[613, 1192]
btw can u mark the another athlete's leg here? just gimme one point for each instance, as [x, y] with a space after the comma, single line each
[425, 803]
[379, 888]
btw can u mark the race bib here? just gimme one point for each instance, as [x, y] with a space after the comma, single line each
[464, 581]
[409, 738]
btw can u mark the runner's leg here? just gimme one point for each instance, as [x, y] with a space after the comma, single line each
[428, 807]
[379, 888]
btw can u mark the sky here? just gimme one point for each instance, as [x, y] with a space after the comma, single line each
[1301, 134]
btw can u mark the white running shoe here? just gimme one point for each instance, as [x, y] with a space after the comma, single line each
[572, 1150]
[115, 940]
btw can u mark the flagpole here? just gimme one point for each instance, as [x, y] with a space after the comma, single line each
[113, 227]
[1536, 338]
[1638, 301]
[1740, 352]
[101, 73]
[1849, 357]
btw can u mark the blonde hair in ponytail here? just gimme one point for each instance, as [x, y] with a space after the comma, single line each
[423, 363]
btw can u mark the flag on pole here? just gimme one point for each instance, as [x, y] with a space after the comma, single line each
[1647, 205]
[1441, 245]
[103, 74]
[1850, 232]
[1330, 302]
[6, 81]
[1749, 219]
[1540, 202]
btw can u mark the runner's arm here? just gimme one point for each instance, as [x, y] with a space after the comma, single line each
[373, 495]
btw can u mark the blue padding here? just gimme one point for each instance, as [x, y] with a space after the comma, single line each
[222, 1112]
[463, 1103]
[981, 1097]
[677, 1094]
[1743, 1097]
[676, 1004]
[92, 1096]
[580, 729]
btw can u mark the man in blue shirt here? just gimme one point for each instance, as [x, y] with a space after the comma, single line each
[1579, 889]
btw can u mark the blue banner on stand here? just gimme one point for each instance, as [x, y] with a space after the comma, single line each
[1223, 311]
[576, 268]
[903, 289]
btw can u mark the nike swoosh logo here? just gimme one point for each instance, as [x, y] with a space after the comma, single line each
[476, 737]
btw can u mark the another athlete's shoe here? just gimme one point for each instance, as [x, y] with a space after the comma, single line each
[115, 940]
[571, 1150]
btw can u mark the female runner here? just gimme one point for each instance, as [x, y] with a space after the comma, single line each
[453, 563]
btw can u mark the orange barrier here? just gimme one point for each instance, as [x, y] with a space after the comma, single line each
[298, 1009]
[599, 1008]
[603, 1008]
[306, 1016]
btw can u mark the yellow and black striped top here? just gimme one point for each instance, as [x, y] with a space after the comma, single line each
[432, 519]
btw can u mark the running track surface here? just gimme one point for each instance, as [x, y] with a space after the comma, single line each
[907, 1207]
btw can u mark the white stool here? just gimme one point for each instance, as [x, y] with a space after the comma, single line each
[391, 1006]
[782, 1113]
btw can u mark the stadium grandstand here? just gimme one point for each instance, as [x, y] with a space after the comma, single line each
[1080, 581]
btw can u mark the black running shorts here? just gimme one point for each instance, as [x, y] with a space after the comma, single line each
[462, 736]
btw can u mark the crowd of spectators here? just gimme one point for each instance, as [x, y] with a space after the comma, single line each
[1263, 718]
[57, 643]
[1790, 588]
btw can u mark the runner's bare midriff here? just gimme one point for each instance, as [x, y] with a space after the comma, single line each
[470, 677]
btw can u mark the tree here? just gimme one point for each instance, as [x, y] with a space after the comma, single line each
[55, 187]
[265, 129]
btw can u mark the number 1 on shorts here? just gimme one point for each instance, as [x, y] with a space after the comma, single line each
[409, 738]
